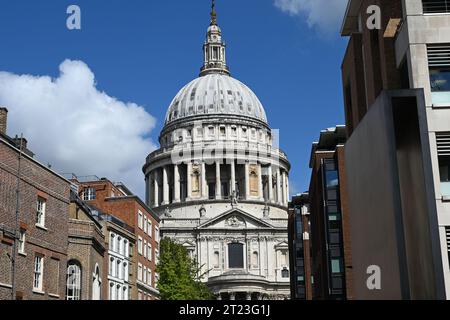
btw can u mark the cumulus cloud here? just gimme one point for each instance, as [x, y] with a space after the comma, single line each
[70, 124]
[324, 15]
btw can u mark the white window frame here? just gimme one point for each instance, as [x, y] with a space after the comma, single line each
[89, 194]
[140, 219]
[41, 205]
[140, 245]
[150, 229]
[144, 274]
[145, 225]
[157, 234]
[38, 273]
[22, 241]
[73, 282]
[150, 252]
[139, 275]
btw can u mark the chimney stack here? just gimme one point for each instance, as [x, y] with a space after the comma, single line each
[3, 119]
[20, 142]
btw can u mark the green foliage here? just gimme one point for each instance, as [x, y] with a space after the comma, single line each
[179, 275]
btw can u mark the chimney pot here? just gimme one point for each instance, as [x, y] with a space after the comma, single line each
[3, 119]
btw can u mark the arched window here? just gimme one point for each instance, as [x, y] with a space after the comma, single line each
[96, 284]
[236, 256]
[73, 286]
[196, 182]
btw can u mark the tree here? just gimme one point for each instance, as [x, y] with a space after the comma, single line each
[179, 275]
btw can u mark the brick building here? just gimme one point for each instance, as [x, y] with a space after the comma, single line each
[330, 235]
[86, 252]
[117, 200]
[41, 228]
[300, 248]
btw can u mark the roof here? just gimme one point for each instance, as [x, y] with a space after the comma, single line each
[329, 139]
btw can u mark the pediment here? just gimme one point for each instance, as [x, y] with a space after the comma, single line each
[235, 219]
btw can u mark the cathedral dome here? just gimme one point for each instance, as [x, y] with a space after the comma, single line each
[215, 94]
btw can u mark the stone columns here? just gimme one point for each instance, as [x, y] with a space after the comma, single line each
[233, 177]
[248, 296]
[287, 189]
[269, 170]
[279, 193]
[189, 180]
[218, 182]
[203, 183]
[176, 182]
[284, 185]
[260, 183]
[155, 189]
[247, 180]
[232, 296]
[165, 187]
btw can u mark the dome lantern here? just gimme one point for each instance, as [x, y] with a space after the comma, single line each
[214, 48]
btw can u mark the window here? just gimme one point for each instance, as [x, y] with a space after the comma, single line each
[89, 194]
[149, 229]
[140, 221]
[222, 131]
[111, 291]
[73, 284]
[118, 271]
[236, 256]
[40, 212]
[145, 249]
[244, 132]
[140, 272]
[336, 266]
[125, 248]
[144, 278]
[285, 273]
[233, 131]
[156, 256]
[439, 69]
[38, 272]
[125, 293]
[118, 246]
[156, 234]
[443, 147]
[149, 277]
[111, 266]
[140, 245]
[439, 64]
[211, 131]
[125, 271]
[145, 224]
[436, 6]
[22, 242]
[150, 252]
[111, 241]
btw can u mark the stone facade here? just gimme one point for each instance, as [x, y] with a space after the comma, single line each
[86, 250]
[220, 183]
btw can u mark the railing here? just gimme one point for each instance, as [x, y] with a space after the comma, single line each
[224, 145]
[436, 6]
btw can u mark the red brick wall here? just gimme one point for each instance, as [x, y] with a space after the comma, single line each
[52, 242]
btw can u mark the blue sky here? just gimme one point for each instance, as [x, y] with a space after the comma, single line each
[143, 52]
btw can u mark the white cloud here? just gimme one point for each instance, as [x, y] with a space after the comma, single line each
[323, 15]
[76, 128]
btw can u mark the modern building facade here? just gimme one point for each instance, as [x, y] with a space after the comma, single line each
[33, 223]
[397, 100]
[219, 183]
[85, 253]
[116, 200]
[299, 233]
[330, 237]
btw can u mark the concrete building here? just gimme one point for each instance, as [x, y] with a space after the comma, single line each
[220, 183]
[397, 99]
[36, 238]
[116, 200]
[330, 236]
[85, 253]
[300, 248]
